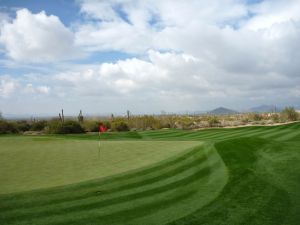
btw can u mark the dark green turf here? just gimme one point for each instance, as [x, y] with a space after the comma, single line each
[240, 176]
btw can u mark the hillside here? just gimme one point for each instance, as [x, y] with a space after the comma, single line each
[222, 111]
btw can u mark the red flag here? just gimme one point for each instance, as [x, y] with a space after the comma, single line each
[102, 128]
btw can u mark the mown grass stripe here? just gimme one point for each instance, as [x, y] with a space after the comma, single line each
[129, 214]
[119, 177]
[287, 137]
[109, 202]
[266, 130]
[261, 204]
[227, 136]
[123, 187]
[57, 195]
[276, 132]
[241, 134]
[283, 132]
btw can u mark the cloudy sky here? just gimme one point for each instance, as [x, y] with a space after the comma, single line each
[147, 55]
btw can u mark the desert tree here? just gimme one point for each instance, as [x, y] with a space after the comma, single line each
[290, 114]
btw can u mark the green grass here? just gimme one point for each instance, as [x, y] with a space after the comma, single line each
[28, 163]
[221, 176]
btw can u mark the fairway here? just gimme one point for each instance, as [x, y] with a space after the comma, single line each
[247, 175]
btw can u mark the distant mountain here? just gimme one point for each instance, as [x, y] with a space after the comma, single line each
[222, 111]
[265, 108]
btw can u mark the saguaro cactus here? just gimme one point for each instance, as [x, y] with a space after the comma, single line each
[80, 117]
[61, 116]
[128, 114]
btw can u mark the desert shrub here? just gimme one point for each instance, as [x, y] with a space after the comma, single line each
[22, 125]
[39, 125]
[213, 121]
[168, 121]
[71, 126]
[119, 125]
[184, 122]
[54, 126]
[245, 120]
[275, 118]
[91, 125]
[7, 127]
[144, 122]
[257, 117]
[154, 123]
[68, 127]
[290, 114]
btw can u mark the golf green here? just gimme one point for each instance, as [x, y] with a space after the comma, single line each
[28, 163]
[240, 176]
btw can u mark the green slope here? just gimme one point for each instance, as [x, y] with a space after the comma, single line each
[238, 176]
[157, 194]
[263, 186]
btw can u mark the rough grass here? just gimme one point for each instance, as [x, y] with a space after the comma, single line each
[238, 176]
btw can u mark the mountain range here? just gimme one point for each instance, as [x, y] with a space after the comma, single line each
[222, 111]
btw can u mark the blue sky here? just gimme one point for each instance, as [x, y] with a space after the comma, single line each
[147, 56]
[66, 10]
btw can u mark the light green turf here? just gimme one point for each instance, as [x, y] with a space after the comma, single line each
[32, 163]
[243, 176]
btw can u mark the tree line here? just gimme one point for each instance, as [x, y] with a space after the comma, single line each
[62, 125]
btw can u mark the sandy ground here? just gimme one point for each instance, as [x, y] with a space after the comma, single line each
[249, 125]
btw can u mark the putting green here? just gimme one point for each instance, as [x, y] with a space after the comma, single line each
[28, 163]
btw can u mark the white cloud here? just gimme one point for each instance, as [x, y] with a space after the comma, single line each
[228, 34]
[12, 87]
[99, 9]
[270, 13]
[169, 80]
[187, 54]
[169, 74]
[43, 89]
[132, 76]
[7, 86]
[37, 38]
[135, 26]
[31, 89]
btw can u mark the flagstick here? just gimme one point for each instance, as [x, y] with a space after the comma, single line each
[99, 145]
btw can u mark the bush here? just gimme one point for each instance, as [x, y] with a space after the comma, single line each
[290, 114]
[7, 127]
[257, 117]
[54, 126]
[275, 118]
[39, 125]
[183, 122]
[68, 127]
[91, 125]
[23, 125]
[144, 122]
[213, 121]
[119, 125]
